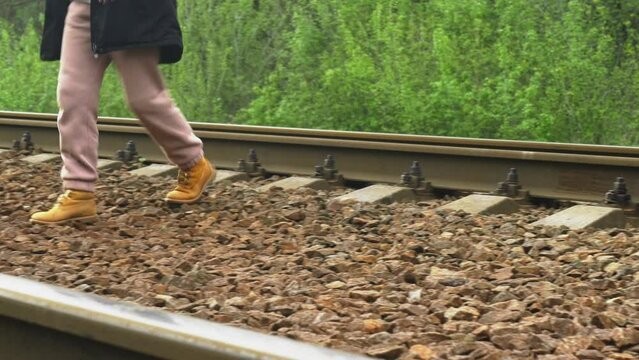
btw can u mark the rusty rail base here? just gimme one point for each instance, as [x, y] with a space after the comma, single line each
[41, 321]
[546, 170]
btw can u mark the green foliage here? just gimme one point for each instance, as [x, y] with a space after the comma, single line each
[26, 83]
[563, 70]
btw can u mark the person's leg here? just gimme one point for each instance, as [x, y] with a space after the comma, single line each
[78, 91]
[149, 99]
[151, 102]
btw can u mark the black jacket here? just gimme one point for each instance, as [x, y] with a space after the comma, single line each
[118, 25]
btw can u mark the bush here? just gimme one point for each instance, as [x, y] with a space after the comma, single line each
[564, 70]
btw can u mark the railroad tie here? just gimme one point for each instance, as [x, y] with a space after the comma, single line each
[583, 216]
[41, 158]
[296, 182]
[483, 204]
[106, 164]
[156, 170]
[230, 176]
[378, 193]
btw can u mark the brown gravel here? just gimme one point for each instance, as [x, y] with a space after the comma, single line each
[396, 282]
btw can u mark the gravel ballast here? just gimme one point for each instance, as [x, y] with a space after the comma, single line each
[400, 281]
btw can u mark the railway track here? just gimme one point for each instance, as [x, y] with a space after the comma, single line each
[62, 319]
[546, 170]
[40, 321]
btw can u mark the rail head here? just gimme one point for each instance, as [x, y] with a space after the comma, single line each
[213, 134]
[144, 330]
[393, 138]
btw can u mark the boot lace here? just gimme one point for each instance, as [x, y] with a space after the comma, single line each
[184, 179]
[62, 198]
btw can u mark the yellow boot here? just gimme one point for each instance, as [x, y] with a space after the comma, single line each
[72, 205]
[192, 183]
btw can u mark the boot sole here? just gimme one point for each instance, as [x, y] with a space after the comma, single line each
[199, 196]
[84, 219]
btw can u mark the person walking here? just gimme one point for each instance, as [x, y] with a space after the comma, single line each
[136, 35]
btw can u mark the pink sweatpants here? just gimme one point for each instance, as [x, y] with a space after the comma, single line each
[79, 85]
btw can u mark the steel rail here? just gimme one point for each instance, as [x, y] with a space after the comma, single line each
[547, 170]
[370, 136]
[41, 321]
